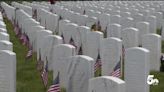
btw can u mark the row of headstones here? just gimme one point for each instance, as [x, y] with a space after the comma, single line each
[95, 45]
[62, 52]
[57, 58]
[76, 71]
[89, 42]
[116, 17]
[26, 8]
[101, 6]
[126, 22]
[7, 61]
[115, 31]
[46, 18]
[155, 20]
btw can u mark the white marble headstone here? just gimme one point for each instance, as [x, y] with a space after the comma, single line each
[143, 28]
[91, 21]
[68, 31]
[2, 25]
[79, 70]
[107, 84]
[138, 17]
[62, 24]
[114, 30]
[6, 45]
[152, 42]
[59, 52]
[33, 35]
[3, 30]
[4, 36]
[127, 22]
[40, 42]
[130, 37]
[104, 21]
[125, 14]
[49, 42]
[159, 18]
[115, 19]
[93, 44]
[83, 34]
[111, 51]
[52, 22]
[136, 69]
[152, 22]
[7, 71]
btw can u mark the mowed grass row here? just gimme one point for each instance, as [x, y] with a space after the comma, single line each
[28, 78]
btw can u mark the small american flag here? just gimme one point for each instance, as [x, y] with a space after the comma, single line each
[21, 37]
[44, 75]
[117, 70]
[29, 54]
[97, 64]
[55, 87]
[23, 40]
[26, 40]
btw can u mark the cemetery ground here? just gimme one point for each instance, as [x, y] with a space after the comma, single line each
[28, 78]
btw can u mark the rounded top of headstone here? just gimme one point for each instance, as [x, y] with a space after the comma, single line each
[85, 27]
[7, 52]
[94, 17]
[2, 23]
[114, 38]
[65, 45]
[158, 12]
[130, 29]
[105, 15]
[3, 33]
[98, 32]
[66, 20]
[139, 14]
[111, 78]
[138, 49]
[153, 34]
[48, 31]
[6, 42]
[3, 30]
[151, 17]
[54, 14]
[85, 57]
[116, 16]
[129, 18]
[143, 22]
[115, 24]
[55, 36]
[72, 24]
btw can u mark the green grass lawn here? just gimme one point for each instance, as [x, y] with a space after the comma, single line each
[28, 78]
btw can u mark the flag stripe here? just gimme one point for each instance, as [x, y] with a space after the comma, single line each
[29, 54]
[55, 87]
[97, 65]
[117, 70]
[44, 75]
